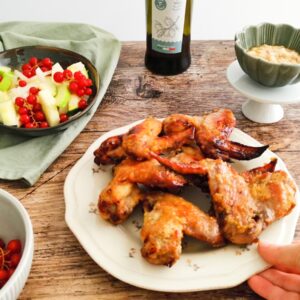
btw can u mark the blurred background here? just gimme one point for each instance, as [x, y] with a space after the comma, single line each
[212, 19]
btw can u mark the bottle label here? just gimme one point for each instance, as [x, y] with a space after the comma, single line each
[167, 25]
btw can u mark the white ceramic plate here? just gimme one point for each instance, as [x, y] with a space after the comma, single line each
[117, 248]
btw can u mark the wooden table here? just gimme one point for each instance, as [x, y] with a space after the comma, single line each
[61, 268]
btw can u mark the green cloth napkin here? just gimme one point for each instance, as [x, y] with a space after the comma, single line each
[27, 158]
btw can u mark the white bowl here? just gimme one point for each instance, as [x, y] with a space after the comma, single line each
[15, 224]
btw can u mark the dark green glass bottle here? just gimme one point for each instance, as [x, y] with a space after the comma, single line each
[168, 36]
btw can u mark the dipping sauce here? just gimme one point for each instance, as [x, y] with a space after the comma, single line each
[275, 54]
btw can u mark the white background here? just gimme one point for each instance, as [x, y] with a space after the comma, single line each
[213, 19]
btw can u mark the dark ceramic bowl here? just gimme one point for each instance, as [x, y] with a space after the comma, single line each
[262, 71]
[16, 57]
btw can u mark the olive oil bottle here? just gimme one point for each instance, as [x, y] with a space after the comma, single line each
[168, 36]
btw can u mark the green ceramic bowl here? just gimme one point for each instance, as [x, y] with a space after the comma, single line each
[16, 57]
[266, 73]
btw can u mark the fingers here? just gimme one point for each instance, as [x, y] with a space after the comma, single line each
[285, 258]
[287, 281]
[268, 290]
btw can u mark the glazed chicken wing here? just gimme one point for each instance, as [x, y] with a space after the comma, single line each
[149, 173]
[144, 138]
[122, 195]
[139, 141]
[244, 204]
[110, 151]
[213, 134]
[254, 203]
[274, 195]
[141, 137]
[118, 200]
[167, 217]
[178, 123]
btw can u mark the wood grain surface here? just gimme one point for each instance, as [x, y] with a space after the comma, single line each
[61, 268]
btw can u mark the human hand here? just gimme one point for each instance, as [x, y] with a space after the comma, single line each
[282, 280]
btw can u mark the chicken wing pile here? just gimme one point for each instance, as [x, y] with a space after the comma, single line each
[156, 159]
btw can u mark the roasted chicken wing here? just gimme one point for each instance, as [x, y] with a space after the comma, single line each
[166, 219]
[139, 141]
[110, 151]
[213, 134]
[118, 200]
[122, 195]
[245, 203]
[178, 123]
[144, 138]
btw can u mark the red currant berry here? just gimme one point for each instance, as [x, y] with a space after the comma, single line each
[44, 69]
[16, 257]
[23, 111]
[80, 92]
[26, 67]
[82, 104]
[1, 77]
[33, 61]
[46, 62]
[63, 118]
[73, 87]
[78, 75]
[82, 82]
[58, 77]
[89, 82]
[19, 101]
[34, 90]
[68, 74]
[44, 125]
[27, 73]
[14, 246]
[88, 91]
[39, 116]
[24, 119]
[22, 83]
[30, 125]
[3, 275]
[31, 99]
[37, 107]
[33, 72]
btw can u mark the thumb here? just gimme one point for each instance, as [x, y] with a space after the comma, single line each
[285, 258]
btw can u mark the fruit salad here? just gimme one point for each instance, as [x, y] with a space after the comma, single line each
[42, 94]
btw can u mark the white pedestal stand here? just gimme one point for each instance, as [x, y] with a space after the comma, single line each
[263, 105]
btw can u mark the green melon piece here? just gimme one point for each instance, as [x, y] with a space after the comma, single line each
[78, 67]
[48, 84]
[73, 103]
[4, 96]
[63, 96]
[48, 103]
[8, 114]
[7, 79]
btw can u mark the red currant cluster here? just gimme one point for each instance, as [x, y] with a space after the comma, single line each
[79, 84]
[10, 257]
[30, 111]
[29, 68]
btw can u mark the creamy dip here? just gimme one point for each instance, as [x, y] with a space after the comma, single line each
[275, 54]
